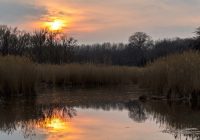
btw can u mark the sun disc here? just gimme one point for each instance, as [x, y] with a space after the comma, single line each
[56, 25]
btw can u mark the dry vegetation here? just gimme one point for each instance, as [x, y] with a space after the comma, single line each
[20, 75]
[178, 74]
[17, 75]
[86, 74]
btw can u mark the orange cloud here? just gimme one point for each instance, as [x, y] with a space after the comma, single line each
[114, 20]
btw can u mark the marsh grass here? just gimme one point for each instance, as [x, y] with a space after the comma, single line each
[17, 75]
[86, 74]
[175, 75]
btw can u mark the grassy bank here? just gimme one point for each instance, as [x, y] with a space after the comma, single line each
[174, 76]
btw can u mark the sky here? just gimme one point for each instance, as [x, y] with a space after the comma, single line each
[97, 21]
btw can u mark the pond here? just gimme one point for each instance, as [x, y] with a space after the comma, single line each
[96, 114]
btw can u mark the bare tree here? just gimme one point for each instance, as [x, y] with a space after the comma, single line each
[140, 40]
[197, 39]
[198, 32]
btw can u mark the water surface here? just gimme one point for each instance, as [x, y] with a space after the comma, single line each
[96, 114]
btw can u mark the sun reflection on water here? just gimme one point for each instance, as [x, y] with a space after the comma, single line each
[56, 124]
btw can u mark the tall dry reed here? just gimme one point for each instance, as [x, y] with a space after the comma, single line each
[178, 74]
[86, 74]
[17, 75]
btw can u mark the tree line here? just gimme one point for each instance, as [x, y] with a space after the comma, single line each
[45, 46]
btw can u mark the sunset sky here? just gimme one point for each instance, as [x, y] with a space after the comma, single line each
[92, 21]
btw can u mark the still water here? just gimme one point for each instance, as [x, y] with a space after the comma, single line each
[96, 114]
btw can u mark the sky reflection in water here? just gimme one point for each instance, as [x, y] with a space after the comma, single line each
[95, 117]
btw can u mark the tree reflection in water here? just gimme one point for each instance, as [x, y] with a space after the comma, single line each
[28, 115]
[136, 111]
[178, 118]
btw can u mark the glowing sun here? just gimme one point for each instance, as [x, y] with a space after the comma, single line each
[56, 25]
[56, 124]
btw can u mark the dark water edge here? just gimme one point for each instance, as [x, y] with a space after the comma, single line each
[176, 118]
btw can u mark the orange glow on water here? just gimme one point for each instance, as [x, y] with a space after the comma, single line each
[57, 124]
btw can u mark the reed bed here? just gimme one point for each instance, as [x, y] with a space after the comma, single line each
[86, 74]
[175, 75]
[17, 75]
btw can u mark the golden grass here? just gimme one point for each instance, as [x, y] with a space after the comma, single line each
[179, 73]
[86, 74]
[17, 75]
[20, 75]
